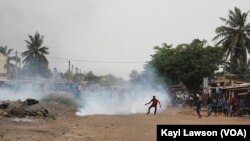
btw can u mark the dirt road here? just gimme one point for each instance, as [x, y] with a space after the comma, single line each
[68, 127]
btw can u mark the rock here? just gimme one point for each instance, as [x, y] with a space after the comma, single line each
[17, 112]
[29, 102]
[5, 114]
[28, 108]
[4, 105]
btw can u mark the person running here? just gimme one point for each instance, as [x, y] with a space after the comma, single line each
[154, 104]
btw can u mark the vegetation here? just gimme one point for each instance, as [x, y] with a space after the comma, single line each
[35, 61]
[60, 99]
[187, 63]
[110, 80]
[12, 68]
[134, 76]
[235, 39]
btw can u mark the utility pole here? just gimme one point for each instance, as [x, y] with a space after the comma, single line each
[8, 67]
[224, 73]
[69, 72]
[16, 65]
[16, 57]
[80, 75]
[72, 77]
[231, 67]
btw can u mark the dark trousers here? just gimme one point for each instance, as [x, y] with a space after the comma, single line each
[198, 110]
[151, 107]
[226, 112]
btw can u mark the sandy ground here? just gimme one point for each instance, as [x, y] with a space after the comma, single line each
[68, 127]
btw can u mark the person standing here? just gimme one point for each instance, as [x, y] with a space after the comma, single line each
[174, 100]
[225, 106]
[209, 103]
[219, 105]
[231, 105]
[190, 100]
[154, 104]
[198, 105]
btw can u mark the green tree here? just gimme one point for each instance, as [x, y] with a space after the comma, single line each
[91, 77]
[134, 76]
[243, 69]
[235, 38]
[35, 60]
[187, 63]
[166, 56]
[110, 80]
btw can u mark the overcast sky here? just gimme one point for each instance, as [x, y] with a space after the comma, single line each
[119, 35]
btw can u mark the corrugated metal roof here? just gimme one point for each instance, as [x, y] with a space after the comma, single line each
[245, 93]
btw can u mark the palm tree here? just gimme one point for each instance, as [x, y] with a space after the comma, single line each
[12, 69]
[5, 50]
[235, 38]
[34, 58]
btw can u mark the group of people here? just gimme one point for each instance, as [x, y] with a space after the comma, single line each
[217, 105]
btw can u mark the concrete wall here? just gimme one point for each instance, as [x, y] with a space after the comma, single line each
[3, 65]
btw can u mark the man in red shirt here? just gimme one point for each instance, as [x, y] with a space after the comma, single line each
[231, 105]
[154, 104]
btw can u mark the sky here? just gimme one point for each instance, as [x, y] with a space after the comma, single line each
[110, 36]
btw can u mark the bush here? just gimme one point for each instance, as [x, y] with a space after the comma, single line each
[69, 101]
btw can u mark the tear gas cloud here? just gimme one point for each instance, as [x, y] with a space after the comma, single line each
[94, 100]
[18, 91]
[124, 100]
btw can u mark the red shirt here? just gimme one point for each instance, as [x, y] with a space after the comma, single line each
[231, 100]
[154, 102]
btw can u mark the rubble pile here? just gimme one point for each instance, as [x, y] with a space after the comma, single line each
[27, 108]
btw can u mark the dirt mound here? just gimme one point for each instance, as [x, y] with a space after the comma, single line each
[27, 108]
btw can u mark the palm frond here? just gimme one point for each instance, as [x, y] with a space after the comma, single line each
[44, 50]
[221, 41]
[232, 17]
[224, 29]
[34, 56]
[228, 22]
[246, 28]
[9, 51]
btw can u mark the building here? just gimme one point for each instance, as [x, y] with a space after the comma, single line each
[3, 67]
[241, 93]
[232, 80]
[180, 92]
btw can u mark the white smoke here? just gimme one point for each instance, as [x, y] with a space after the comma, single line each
[18, 91]
[12, 95]
[123, 101]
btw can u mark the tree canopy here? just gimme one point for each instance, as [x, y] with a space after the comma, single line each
[35, 61]
[186, 63]
[234, 37]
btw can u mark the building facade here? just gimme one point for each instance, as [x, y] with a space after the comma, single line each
[3, 67]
